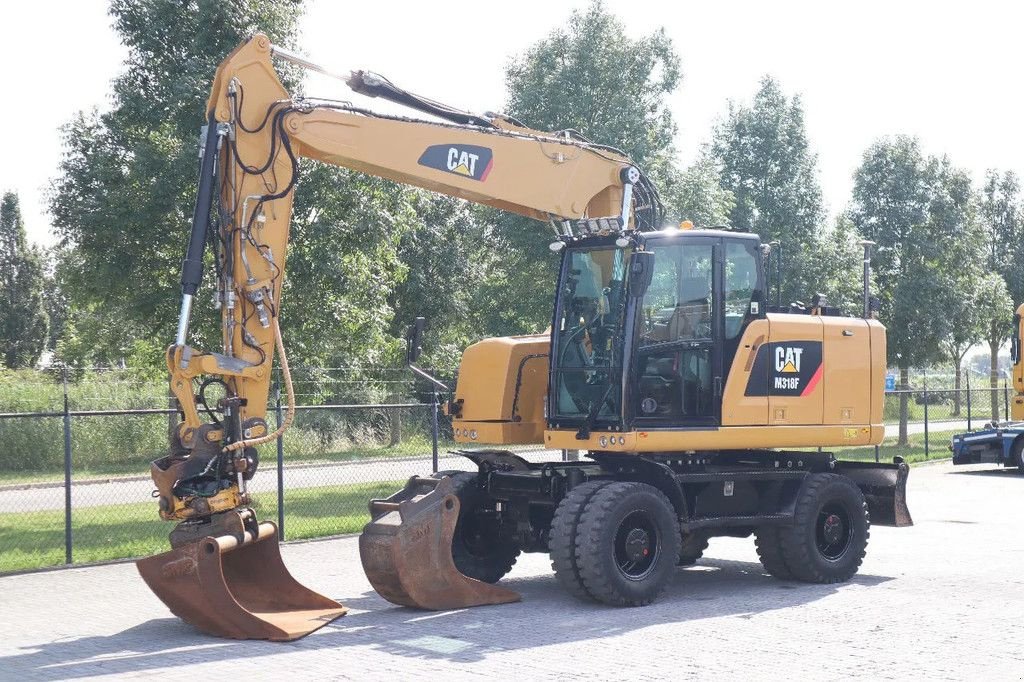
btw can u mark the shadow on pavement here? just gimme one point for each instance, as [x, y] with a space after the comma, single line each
[547, 615]
[1005, 471]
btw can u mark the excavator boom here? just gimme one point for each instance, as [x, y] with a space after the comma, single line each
[224, 573]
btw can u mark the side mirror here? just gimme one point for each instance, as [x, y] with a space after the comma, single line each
[1015, 341]
[414, 340]
[641, 271]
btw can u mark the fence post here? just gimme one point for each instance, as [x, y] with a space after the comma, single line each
[433, 430]
[925, 382]
[968, 401]
[67, 468]
[876, 453]
[280, 462]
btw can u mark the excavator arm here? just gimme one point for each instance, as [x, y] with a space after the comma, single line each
[256, 133]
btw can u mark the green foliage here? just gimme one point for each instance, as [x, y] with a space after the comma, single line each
[123, 198]
[698, 196]
[23, 319]
[588, 76]
[591, 77]
[1002, 216]
[833, 266]
[765, 161]
[921, 213]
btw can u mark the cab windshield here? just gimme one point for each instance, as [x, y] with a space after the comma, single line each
[587, 362]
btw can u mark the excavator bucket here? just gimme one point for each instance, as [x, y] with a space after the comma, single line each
[406, 550]
[238, 589]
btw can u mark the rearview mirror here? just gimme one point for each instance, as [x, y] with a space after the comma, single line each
[414, 340]
[641, 271]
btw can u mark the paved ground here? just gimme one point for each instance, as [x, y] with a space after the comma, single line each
[140, 488]
[942, 600]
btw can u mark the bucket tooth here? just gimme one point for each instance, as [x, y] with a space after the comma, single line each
[237, 588]
[406, 550]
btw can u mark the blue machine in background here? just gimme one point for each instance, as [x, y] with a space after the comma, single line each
[996, 443]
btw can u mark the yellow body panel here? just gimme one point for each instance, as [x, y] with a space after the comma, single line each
[1017, 408]
[502, 385]
[738, 408]
[713, 438]
[841, 407]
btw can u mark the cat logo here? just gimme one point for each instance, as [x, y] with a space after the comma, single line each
[788, 368]
[787, 359]
[468, 160]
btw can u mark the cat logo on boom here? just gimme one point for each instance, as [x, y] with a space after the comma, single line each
[468, 160]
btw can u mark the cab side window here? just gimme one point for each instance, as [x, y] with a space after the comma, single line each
[741, 284]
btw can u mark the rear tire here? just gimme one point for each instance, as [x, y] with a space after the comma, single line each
[478, 549]
[627, 544]
[769, 551]
[562, 541]
[692, 548]
[828, 538]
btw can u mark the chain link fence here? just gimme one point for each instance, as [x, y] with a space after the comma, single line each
[76, 446]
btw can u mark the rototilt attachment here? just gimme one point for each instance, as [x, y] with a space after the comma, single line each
[406, 550]
[237, 586]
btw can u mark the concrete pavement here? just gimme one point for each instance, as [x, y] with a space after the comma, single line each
[943, 600]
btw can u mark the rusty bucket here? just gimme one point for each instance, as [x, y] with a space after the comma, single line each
[238, 588]
[406, 550]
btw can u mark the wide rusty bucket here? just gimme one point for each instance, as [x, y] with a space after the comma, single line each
[406, 550]
[238, 588]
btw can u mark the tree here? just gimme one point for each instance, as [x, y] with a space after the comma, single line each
[921, 213]
[126, 187]
[979, 298]
[23, 321]
[765, 161]
[1002, 217]
[592, 78]
[698, 196]
[833, 266]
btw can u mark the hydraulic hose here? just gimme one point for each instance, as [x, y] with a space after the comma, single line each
[290, 415]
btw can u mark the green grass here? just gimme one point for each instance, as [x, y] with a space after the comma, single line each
[36, 539]
[912, 453]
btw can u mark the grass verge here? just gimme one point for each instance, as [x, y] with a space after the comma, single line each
[36, 539]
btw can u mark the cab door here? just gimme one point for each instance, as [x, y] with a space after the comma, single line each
[677, 377]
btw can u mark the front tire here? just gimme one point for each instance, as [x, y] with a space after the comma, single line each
[828, 538]
[478, 548]
[627, 544]
[562, 542]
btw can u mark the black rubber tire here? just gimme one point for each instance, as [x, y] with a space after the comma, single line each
[562, 540]
[829, 496]
[603, 521]
[769, 551]
[1018, 454]
[692, 548]
[478, 552]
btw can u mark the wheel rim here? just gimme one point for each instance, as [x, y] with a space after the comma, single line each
[834, 532]
[637, 545]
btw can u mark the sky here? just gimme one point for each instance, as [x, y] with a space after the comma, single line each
[948, 73]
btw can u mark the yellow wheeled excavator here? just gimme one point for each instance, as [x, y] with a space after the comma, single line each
[664, 364]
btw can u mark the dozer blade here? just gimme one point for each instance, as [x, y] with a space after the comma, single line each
[406, 550]
[885, 489]
[237, 589]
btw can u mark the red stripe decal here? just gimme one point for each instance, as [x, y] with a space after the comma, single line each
[813, 382]
[490, 164]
